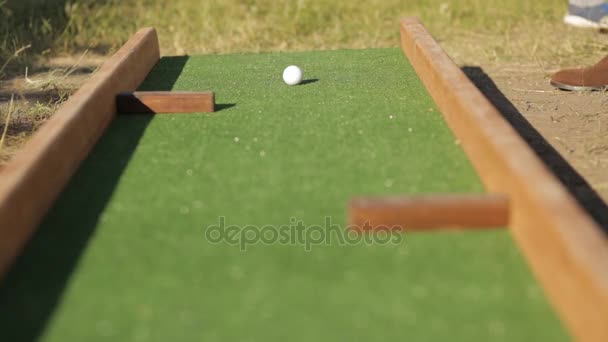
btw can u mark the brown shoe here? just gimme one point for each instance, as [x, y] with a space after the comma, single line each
[589, 78]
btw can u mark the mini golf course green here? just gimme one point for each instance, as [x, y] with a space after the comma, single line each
[124, 255]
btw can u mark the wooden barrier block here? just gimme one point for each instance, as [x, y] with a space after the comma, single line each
[439, 211]
[158, 102]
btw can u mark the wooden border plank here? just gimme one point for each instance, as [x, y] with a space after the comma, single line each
[566, 249]
[33, 179]
[158, 102]
[437, 211]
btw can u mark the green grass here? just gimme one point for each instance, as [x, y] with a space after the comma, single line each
[123, 254]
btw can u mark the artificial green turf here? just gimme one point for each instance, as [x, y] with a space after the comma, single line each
[124, 252]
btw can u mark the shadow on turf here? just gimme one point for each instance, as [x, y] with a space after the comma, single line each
[34, 287]
[573, 181]
[309, 81]
[222, 106]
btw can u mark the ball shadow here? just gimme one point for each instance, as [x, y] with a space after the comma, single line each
[309, 81]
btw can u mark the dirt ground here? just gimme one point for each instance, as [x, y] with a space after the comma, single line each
[37, 94]
[568, 130]
[574, 123]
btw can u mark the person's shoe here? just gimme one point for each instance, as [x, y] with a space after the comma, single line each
[589, 78]
[588, 17]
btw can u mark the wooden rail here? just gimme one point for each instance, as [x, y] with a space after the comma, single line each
[158, 102]
[34, 178]
[565, 248]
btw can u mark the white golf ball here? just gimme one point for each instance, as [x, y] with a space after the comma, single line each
[292, 75]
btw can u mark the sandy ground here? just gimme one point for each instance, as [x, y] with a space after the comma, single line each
[568, 130]
[575, 124]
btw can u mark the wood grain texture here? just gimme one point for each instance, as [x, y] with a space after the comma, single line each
[34, 178]
[565, 248]
[159, 102]
[439, 211]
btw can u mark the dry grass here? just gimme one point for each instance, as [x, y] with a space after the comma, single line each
[493, 30]
[19, 119]
[9, 113]
[220, 26]
[490, 30]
